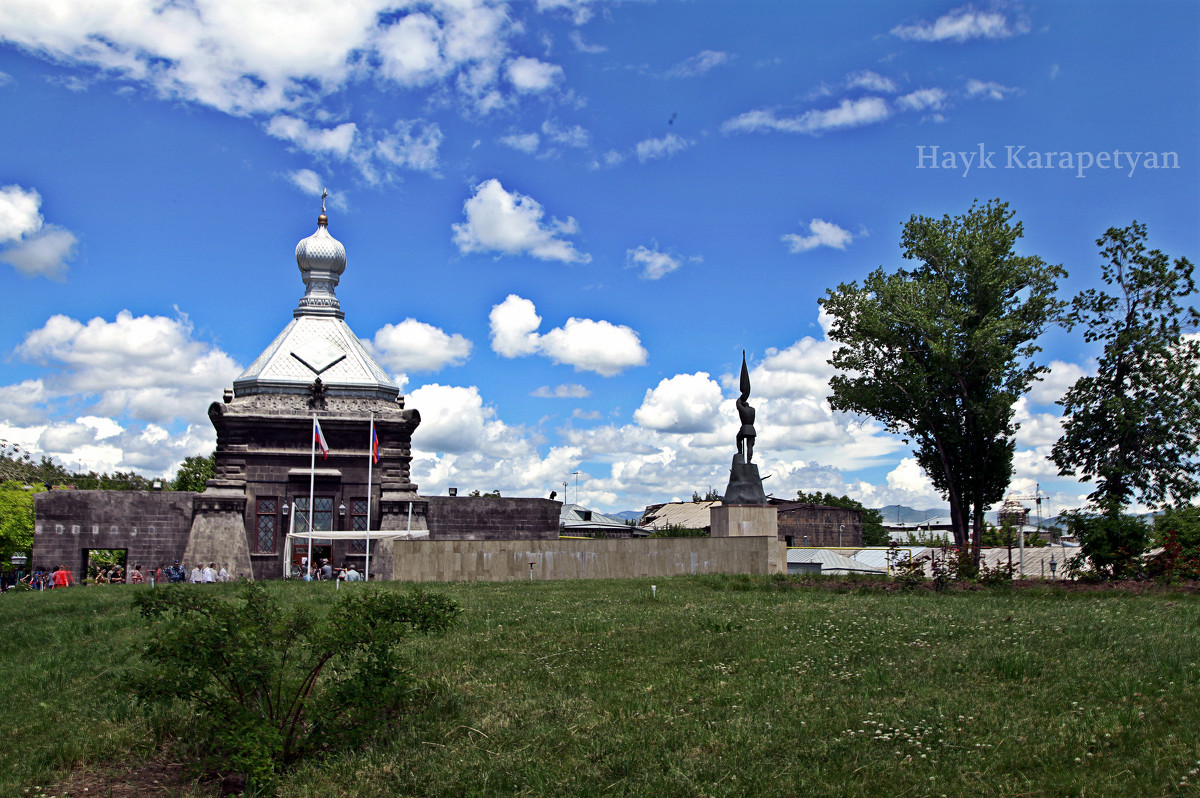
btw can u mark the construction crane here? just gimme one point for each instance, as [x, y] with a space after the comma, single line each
[1016, 499]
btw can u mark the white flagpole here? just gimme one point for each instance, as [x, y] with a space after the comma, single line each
[312, 479]
[370, 469]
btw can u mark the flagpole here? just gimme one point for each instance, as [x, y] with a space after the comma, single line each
[370, 470]
[312, 479]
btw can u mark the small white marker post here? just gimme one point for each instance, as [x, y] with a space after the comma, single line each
[531, 564]
[653, 591]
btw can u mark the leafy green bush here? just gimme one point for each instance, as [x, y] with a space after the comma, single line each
[267, 682]
[1112, 544]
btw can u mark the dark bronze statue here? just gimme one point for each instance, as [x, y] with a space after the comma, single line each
[745, 485]
[745, 436]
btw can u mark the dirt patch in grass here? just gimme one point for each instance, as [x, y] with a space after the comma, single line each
[163, 774]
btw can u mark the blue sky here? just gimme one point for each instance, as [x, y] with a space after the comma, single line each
[564, 220]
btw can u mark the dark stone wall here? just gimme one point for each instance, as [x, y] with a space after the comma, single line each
[152, 525]
[820, 524]
[491, 518]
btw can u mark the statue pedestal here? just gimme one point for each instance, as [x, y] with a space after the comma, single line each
[745, 485]
[743, 520]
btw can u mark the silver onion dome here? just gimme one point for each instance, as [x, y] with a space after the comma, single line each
[321, 259]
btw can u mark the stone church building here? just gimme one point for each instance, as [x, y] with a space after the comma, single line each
[315, 367]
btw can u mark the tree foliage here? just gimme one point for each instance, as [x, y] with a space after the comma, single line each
[194, 473]
[941, 352]
[873, 533]
[1134, 427]
[16, 520]
[18, 465]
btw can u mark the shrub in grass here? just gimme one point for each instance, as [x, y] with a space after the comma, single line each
[1112, 544]
[266, 682]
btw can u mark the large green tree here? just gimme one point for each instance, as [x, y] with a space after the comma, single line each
[1134, 427]
[941, 352]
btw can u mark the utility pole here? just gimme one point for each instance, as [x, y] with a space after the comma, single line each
[576, 473]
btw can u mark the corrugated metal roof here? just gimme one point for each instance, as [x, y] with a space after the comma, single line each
[688, 515]
[878, 557]
[576, 516]
[831, 561]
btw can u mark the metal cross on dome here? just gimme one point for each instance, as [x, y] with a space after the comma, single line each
[324, 194]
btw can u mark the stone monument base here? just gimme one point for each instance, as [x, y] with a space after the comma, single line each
[742, 520]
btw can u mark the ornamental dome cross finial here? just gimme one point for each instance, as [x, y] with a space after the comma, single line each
[324, 194]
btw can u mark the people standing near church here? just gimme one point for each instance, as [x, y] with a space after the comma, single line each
[223, 575]
[197, 574]
[326, 570]
[62, 577]
[352, 575]
[209, 574]
[136, 576]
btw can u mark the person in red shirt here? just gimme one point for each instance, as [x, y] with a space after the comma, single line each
[62, 577]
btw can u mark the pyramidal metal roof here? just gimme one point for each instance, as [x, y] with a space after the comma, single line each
[317, 343]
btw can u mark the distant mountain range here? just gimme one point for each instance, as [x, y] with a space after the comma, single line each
[901, 514]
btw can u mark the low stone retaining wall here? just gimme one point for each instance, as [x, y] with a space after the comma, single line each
[501, 560]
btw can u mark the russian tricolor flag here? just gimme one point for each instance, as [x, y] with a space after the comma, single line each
[319, 439]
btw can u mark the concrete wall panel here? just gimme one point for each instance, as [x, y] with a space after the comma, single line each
[501, 561]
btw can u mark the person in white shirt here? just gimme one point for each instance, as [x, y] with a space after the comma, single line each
[210, 573]
[223, 576]
[197, 576]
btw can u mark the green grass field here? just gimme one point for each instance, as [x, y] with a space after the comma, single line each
[720, 686]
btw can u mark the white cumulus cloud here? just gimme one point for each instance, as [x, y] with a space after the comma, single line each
[599, 346]
[514, 324]
[821, 234]
[683, 403]
[33, 248]
[19, 213]
[512, 224]
[530, 76]
[146, 367]
[413, 345]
